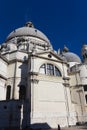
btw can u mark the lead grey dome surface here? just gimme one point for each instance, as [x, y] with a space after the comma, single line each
[27, 31]
[71, 57]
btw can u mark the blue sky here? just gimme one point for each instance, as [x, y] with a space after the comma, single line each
[63, 21]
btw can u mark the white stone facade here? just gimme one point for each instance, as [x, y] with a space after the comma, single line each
[49, 87]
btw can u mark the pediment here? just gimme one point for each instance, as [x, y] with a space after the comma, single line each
[50, 55]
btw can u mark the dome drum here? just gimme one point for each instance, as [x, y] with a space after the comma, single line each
[30, 37]
[27, 31]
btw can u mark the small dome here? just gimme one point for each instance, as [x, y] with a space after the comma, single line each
[28, 30]
[71, 57]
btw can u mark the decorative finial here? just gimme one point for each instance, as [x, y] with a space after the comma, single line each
[59, 52]
[65, 49]
[29, 24]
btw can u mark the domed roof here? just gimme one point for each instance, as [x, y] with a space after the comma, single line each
[71, 57]
[27, 30]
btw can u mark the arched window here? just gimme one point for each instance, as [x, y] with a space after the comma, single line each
[57, 72]
[22, 92]
[43, 69]
[49, 69]
[8, 93]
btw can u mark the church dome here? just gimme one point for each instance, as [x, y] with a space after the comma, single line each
[28, 30]
[71, 57]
